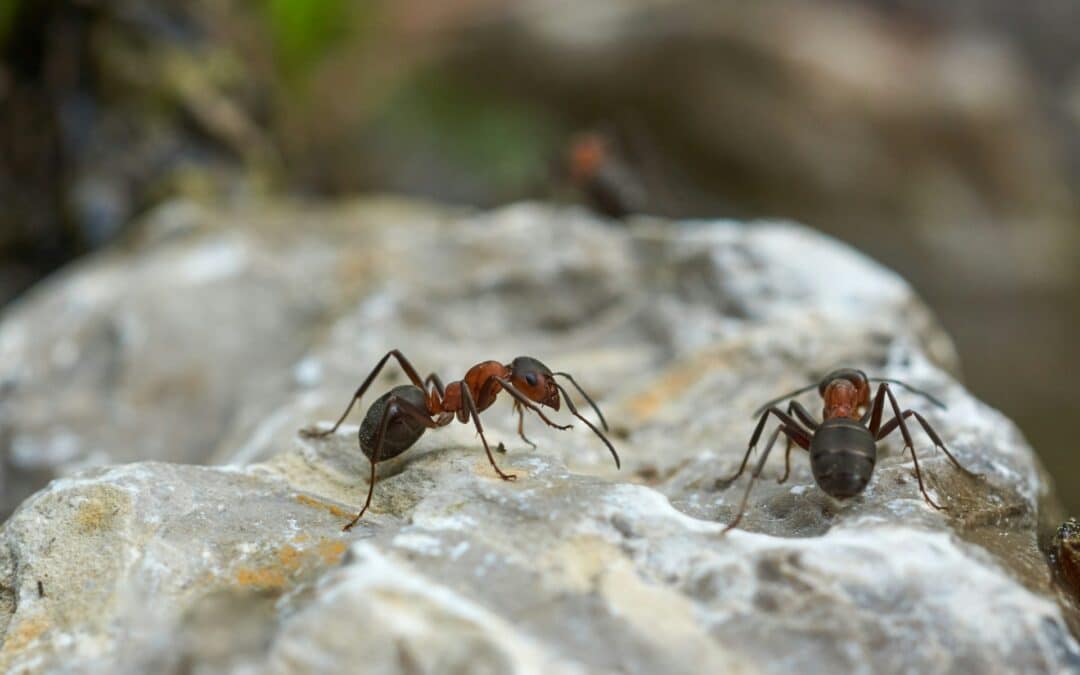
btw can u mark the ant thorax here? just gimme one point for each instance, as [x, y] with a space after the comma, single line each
[844, 399]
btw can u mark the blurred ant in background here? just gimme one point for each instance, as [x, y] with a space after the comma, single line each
[602, 175]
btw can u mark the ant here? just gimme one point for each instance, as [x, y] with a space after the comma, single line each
[843, 447]
[598, 170]
[398, 418]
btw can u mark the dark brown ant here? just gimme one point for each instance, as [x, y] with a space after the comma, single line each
[843, 448]
[398, 418]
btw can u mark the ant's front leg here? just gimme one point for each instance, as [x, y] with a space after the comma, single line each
[879, 433]
[938, 443]
[470, 408]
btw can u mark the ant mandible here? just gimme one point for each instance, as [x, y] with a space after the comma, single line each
[398, 418]
[843, 447]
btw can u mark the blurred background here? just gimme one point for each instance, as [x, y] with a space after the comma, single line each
[942, 139]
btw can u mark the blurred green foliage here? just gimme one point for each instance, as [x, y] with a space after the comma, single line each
[304, 30]
[8, 10]
[503, 142]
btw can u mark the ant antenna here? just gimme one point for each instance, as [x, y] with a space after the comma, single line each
[781, 399]
[570, 404]
[599, 414]
[912, 389]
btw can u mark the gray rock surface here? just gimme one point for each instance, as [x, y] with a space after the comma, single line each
[679, 331]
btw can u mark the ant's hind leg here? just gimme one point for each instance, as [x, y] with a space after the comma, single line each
[394, 406]
[405, 365]
[792, 435]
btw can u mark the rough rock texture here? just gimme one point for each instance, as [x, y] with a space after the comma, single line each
[256, 324]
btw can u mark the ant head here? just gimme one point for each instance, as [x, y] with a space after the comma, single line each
[588, 152]
[846, 392]
[855, 377]
[535, 380]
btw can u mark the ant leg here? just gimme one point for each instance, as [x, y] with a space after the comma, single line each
[792, 435]
[898, 421]
[434, 379]
[521, 429]
[804, 416]
[875, 420]
[371, 491]
[573, 410]
[405, 365]
[879, 408]
[394, 406]
[435, 397]
[941, 445]
[787, 420]
[922, 488]
[807, 419]
[883, 390]
[523, 400]
[521, 424]
[787, 462]
[470, 409]
[892, 424]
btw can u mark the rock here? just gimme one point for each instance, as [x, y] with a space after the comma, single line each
[678, 330]
[1065, 555]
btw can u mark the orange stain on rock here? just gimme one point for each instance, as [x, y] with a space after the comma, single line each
[334, 510]
[291, 563]
[261, 577]
[290, 557]
[675, 381]
[23, 633]
[663, 391]
[331, 551]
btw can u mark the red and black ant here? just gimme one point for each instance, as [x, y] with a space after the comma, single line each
[843, 447]
[398, 418]
[596, 168]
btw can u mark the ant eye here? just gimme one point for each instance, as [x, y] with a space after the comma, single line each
[530, 379]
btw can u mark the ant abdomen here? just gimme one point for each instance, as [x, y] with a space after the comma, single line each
[842, 457]
[402, 430]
